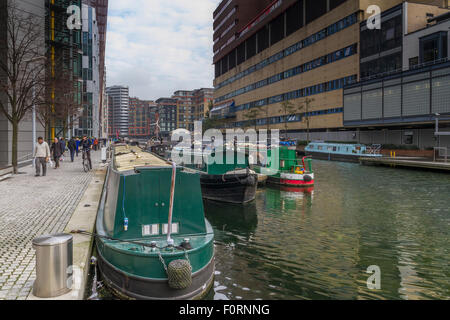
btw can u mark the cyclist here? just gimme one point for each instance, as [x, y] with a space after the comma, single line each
[86, 146]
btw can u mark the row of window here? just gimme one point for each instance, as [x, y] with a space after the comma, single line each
[290, 118]
[316, 63]
[330, 30]
[305, 92]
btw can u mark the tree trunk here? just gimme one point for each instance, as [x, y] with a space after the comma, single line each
[15, 135]
[307, 135]
[286, 130]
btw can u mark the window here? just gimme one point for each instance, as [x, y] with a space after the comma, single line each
[277, 29]
[263, 38]
[413, 62]
[294, 17]
[251, 46]
[433, 47]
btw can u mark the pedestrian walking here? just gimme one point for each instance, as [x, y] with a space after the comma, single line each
[63, 147]
[78, 142]
[96, 144]
[56, 152]
[72, 145]
[41, 156]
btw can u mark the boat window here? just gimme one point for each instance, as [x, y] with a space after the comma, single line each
[175, 228]
[334, 149]
[150, 230]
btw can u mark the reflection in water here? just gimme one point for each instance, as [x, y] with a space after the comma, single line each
[319, 244]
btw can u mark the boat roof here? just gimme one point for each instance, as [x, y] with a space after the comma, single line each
[129, 157]
[320, 143]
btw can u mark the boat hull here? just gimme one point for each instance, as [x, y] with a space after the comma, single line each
[334, 157]
[231, 188]
[131, 287]
[292, 180]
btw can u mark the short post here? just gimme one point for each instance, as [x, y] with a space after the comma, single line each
[54, 265]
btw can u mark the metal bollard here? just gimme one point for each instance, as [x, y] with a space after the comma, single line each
[54, 259]
[104, 154]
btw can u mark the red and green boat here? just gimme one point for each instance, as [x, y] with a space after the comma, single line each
[293, 172]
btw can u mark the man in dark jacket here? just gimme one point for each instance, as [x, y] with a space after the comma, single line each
[56, 152]
[72, 145]
[86, 145]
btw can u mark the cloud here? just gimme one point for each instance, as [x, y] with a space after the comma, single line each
[159, 46]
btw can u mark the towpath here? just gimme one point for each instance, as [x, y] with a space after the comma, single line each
[30, 207]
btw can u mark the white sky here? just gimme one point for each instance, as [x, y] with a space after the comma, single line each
[159, 46]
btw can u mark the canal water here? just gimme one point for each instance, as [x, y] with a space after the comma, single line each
[319, 244]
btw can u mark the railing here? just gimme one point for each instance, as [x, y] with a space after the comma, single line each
[441, 152]
[401, 70]
[374, 149]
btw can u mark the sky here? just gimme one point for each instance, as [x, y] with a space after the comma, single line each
[159, 46]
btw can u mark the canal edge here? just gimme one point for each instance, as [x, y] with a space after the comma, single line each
[83, 218]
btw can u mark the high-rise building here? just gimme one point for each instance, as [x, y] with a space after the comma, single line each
[64, 58]
[118, 111]
[89, 121]
[101, 9]
[303, 52]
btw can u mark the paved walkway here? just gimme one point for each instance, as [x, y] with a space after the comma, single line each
[30, 207]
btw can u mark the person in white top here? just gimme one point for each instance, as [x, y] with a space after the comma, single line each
[41, 155]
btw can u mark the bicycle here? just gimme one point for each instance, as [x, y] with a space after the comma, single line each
[86, 166]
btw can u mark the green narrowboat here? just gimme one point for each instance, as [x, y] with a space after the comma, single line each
[153, 240]
[225, 178]
[293, 172]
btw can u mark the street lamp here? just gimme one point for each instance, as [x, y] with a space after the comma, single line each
[43, 58]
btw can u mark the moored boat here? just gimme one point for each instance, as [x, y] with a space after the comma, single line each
[293, 172]
[223, 178]
[342, 152]
[228, 181]
[153, 240]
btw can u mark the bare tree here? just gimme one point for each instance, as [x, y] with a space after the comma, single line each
[288, 109]
[68, 107]
[253, 115]
[20, 71]
[305, 108]
[61, 104]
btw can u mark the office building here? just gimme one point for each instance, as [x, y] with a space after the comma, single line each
[299, 50]
[400, 104]
[118, 111]
[101, 10]
[89, 120]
